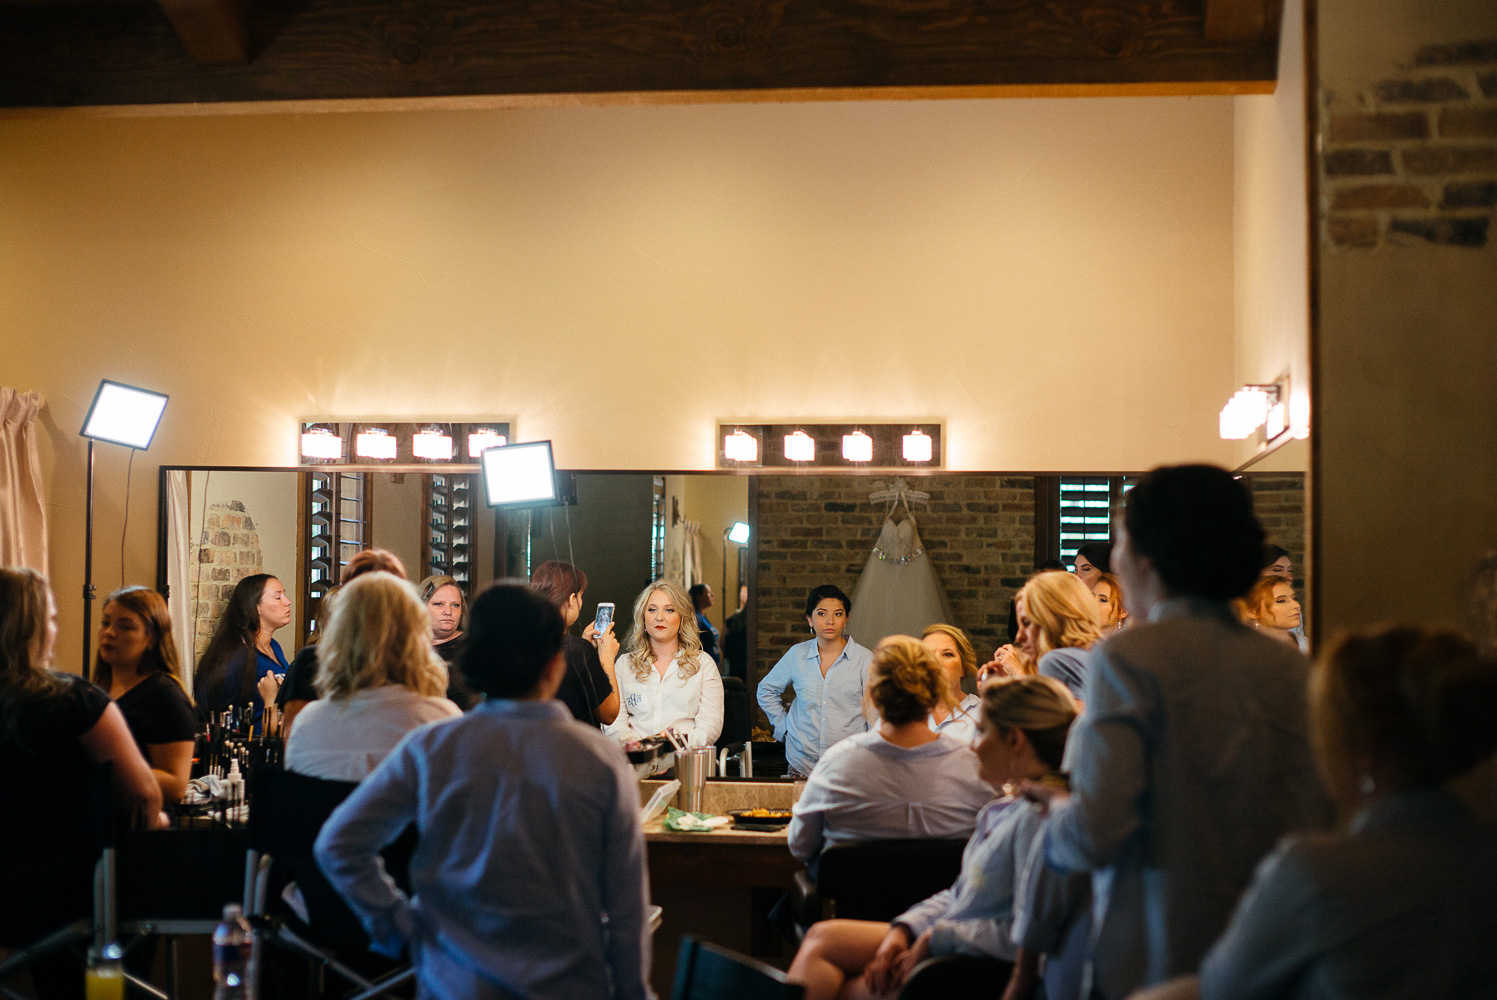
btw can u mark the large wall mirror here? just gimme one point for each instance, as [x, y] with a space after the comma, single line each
[958, 547]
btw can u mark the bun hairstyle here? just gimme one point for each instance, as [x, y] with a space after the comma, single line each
[1421, 703]
[1040, 706]
[821, 593]
[905, 682]
[372, 561]
[1064, 608]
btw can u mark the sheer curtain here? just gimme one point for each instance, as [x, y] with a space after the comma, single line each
[179, 571]
[691, 557]
[23, 517]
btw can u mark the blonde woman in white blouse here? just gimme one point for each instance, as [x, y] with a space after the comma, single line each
[665, 680]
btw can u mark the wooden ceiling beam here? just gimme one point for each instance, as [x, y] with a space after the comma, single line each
[61, 55]
[1237, 21]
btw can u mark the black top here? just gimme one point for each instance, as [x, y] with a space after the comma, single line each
[157, 710]
[299, 676]
[735, 644]
[585, 686]
[458, 690]
[708, 635]
[43, 751]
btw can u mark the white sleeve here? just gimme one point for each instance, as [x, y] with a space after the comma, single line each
[708, 725]
[622, 728]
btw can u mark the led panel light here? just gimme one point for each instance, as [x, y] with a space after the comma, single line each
[480, 441]
[739, 533]
[375, 443]
[432, 445]
[800, 447]
[917, 447]
[319, 442]
[857, 447]
[741, 447]
[123, 414]
[519, 475]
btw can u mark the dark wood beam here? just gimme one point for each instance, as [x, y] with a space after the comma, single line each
[340, 50]
[214, 32]
[1237, 21]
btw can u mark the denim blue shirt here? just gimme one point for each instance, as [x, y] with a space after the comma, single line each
[975, 916]
[529, 877]
[1069, 665]
[825, 710]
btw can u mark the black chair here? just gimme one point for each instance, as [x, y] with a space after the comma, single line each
[735, 712]
[287, 811]
[56, 873]
[875, 880]
[706, 972]
[948, 976]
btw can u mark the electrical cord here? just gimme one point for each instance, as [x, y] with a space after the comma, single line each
[125, 528]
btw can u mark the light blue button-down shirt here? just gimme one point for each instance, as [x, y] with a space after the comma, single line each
[529, 843]
[1404, 907]
[826, 709]
[975, 916]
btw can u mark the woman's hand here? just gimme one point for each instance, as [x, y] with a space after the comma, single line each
[608, 646]
[878, 970]
[269, 686]
[913, 956]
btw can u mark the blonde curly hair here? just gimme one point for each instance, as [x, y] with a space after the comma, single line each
[378, 634]
[641, 657]
[1064, 608]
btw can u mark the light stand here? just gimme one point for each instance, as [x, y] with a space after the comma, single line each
[738, 533]
[124, 415]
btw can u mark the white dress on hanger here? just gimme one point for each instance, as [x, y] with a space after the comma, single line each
[899, 592]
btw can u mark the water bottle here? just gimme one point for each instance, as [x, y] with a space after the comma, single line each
[233, 943]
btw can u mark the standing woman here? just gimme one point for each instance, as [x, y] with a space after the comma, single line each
[1058, 625]
[590, 688]
[243, 664]
[829, 673]
[1093, 560]
[448, 610]
[665, 680]
[954, 714]
[137, 664]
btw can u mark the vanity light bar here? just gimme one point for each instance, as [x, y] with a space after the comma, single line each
[321, 444]
[1250, 408]
[398, 445]
[376, 442]
[483, 439]
[815, 446]
[432, 445]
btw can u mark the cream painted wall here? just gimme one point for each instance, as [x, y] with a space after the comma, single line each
[1405, 470]
[1271, 231]
[619, 278]
[715, 502]
[268, 498]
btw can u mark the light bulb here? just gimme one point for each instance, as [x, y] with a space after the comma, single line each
[800, 447]
[857, 447]
[917, 447]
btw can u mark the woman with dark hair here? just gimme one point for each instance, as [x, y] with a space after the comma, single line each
[1404, 902]
[447, 607]
[829, 673]
[54, 727]
[243, 663]
[898, 781]
[531, 869]
[702, 598]
[137, 664]
[589, 689]
[1024, 722]
[299, 689]
[1092, 560]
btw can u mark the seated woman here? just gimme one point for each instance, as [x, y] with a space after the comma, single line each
[665, 680]
[243, 663]
[54, 727]
[955, 714]
[1058, 625]
[448, 610]
[378, 677]
[829, 673]
[137, 665]
[1024, 725]
[899, 780]
[589, 689]
[1270, 607]
[1404, 904]
[530, 876]
[299, 688]
[1111, 609]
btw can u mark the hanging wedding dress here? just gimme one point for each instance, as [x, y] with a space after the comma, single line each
[899, 592]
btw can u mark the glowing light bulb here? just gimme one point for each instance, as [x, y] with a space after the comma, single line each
[917, 447]
[857, 447]
[741, 447]
[800, 447]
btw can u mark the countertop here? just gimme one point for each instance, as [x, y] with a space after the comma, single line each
[656, 833]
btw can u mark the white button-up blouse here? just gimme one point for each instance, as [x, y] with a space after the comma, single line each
[691, 705]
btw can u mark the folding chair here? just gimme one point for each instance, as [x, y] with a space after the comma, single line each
[287, 811]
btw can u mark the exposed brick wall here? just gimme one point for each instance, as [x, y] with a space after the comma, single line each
[1415, 159]
[978, 530]
[1280, 503]
[231, 552]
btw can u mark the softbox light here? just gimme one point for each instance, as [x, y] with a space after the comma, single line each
[519, 475]
[123, 414]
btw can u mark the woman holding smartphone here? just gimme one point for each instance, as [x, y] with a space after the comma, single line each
[665, 680]
[589, 688]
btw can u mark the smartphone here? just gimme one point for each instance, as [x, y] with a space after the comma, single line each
[605, 617]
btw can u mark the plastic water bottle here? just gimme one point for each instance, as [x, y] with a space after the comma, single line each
[233, 943]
